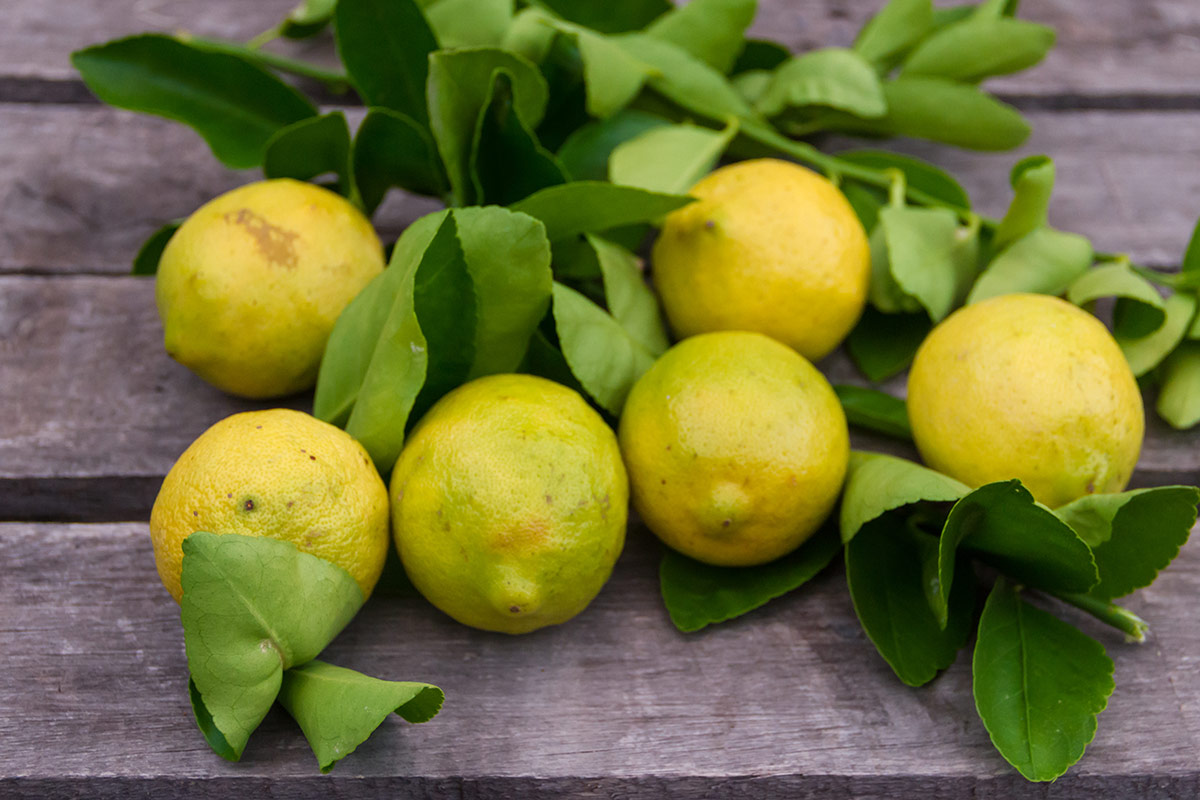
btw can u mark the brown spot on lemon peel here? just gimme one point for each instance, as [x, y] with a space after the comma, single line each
[515, 609]
[709, 224]
[277, 245]
[725, 523]
[312, 458]
[549, 500]
[248, 505]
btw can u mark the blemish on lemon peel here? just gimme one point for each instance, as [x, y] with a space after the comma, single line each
[277, 245]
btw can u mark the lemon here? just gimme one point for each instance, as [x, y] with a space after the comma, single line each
[250, 285]
[277, 473]
[769, 246]
[509, 503]
[1026, 386]
[736, 448]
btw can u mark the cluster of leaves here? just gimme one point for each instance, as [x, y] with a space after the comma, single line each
[912, 538]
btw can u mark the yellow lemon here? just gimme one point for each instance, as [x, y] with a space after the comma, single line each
[771, 247]
[1026, 386]
[509, 504]
[250, 285]
[736, 448]
[277, 473]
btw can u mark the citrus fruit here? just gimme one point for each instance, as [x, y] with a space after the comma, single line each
[250, 285]
[1026, 386]
[277, 473]
[736, 447]
[769, 246]
[509, 503]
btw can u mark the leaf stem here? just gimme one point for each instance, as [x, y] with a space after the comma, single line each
[1134, 627]
[334, 81]
[270, 34]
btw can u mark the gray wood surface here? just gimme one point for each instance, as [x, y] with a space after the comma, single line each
[789, 701]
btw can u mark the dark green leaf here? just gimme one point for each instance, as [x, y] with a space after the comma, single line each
[253, 607]
[867, 202]
[1179, 395]
[312, 147]
[216, 740]
[975, 49]
[1133, 535]
[1191, 256]
[1045, 261]
[1133, 292]
[887, 569]
[669, 159]
[469, 23]
[1039, 684]
[385, 45]
[307, 18]
[883, 345]
[711, 30]
[687, 81]
[894, 31]
[610, 16]
[1147, 352]
[1033, 182]
[877, 484]
[875, 410]
[339, 708]
[760, 54]
[392, 150]
[833, 77]
[698, 594]
[508, 163]
[236, 106]
[150, 253]
[545, 359]
[918, 174]
[585, 154]
[595, 206]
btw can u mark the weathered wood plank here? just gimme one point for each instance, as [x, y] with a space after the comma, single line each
[1105, 48]
[96, 412]
[789, 701]
[82, 187]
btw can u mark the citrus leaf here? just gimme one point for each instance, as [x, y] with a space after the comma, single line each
[253, 607]
[1133, 535]
[1045, 261]
[586, 152]
[385, 45]
[867, 202]
[612, 77]
[929, 257]
[894, 30]
[698, 594]
[687, 81]
[236, 106]
[711, 30]
[670, 158]
[1032, 181]
[392, 150]
[882, 345]
[216, 740]
[977, 48]
[875, 411]
[150, 253]
[611, 16]
[877, 484]
[1191, 256]
[338, 708]
[833, 77]
[312, 147]
[918, 174]
[469, 23]
[307, 18]
[630, 300]
[760, 54]
[1038, 683]
[1118, 280]
[1147, 352]
[888, 565]
[531, 34]
[1179, 395]
[595, 206]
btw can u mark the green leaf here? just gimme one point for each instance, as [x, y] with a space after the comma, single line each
[1039, 684]
[236, 106]
[698, 594]
[1118, 280]
[312, 147]
[216, 740]
[253, 607]
[687, 81]
[339, 708]
[1147, 352]
[760, 54]
[1133, 535]
[833, 77]
[1179, 395]
[711, 30]
[470, 23]
[630, 300]
[1191, 256]
[392, 150]
[612, 77]
[595, 206]
[894, 31]
[877, 484]
[929, 257]
[669, 159]
[307, 18]
[888, 565]
[918, 174]
[385, 45]
[992, 9]
[460, 84]
[883, 345]
[946, 111]
[585, 154]
[867, 202]
[611, 16]
[875, 411]
[508, 163]
[531, 34]
[602, 355]
[1032, 181]
[545, 359]
[975, 49]
[1045, 261]
[150, 253]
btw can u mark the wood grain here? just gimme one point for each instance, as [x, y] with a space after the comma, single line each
[791, 700]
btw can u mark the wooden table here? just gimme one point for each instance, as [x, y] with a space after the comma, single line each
[790, 701]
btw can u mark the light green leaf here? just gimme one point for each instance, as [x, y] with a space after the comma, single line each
[385, 45]
[833, 77]
[1032, 181]
[586, 152]
[595, 206]
[894, 31]
[1191, 256]
[883, 290]
[698, 594]
[1039, 684]
[392, 150]
[236, 106]
[949, 112]
[877, 484]
[976, 48]
[612, 76]
[1147, 352]
[918, 174]
[602, 355]
[253, 607]
[669, 159]
[531, 34]
[339, 708]
[470, 23]
[930, 258]
[1045, 261]
[307, 18]
[875, 411]
[312, 147]
[1133, 535]
[711, 30]
[882, 345]
[687, 81]
[630, 300]
[1118, 280]
[751, 85]
[1179, 395]
[150, 253]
